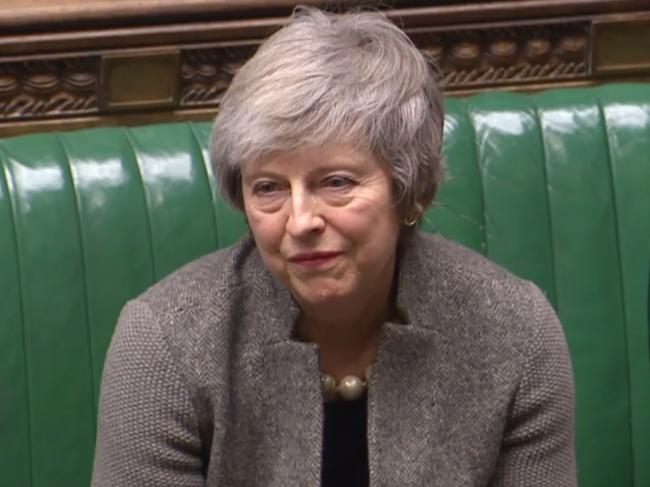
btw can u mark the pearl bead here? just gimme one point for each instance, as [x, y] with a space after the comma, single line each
[351, 388]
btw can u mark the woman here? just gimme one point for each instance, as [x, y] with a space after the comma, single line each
[337, 345]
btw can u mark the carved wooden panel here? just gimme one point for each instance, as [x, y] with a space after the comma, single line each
[108, 74]
[135, 80]
[508, 55]
[468, 58]
[622, 46]
[53, 87]
[206, 72]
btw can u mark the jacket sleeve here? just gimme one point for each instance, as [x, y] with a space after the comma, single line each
[538, 444]
[147, 430]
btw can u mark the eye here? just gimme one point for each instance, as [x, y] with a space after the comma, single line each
[338, 182]
[265, 187]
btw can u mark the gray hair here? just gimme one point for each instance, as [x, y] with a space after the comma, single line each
[351, 78]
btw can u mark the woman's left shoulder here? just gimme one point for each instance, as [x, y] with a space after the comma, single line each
[454, 260]
[478, 293]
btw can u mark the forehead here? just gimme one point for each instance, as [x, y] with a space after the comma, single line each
[307, 159]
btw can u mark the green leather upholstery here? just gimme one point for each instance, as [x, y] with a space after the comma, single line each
[554, 186]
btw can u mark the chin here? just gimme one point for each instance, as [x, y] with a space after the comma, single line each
[320, 296]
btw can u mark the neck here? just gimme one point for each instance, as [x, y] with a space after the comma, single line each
[348, 334]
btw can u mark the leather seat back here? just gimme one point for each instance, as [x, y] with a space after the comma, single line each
[554, 186]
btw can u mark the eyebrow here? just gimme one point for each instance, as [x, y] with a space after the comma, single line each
[356, 163]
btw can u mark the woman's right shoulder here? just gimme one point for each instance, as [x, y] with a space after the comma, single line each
[196, 304]
[224, 268]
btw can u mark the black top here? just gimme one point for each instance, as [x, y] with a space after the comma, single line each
[345, 444]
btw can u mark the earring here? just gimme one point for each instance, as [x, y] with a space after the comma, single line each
[411, 220]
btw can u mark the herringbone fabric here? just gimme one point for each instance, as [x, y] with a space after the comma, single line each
[203, 384]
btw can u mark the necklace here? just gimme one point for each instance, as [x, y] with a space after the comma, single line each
[350, 387]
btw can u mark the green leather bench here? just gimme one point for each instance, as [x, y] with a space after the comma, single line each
[554, 186]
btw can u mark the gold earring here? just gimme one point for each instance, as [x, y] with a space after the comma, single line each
[410, 221]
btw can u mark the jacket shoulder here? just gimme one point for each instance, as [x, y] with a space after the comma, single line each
[192, 282]
[455, 260]
[195, 308]
[478, 298]
[449, 267]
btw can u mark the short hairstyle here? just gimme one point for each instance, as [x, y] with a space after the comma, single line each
[323, 78]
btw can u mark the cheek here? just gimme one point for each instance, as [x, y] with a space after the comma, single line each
[267, 231]
[373, 216]
[373, 229]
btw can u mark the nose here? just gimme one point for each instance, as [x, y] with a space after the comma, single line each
[304, 219]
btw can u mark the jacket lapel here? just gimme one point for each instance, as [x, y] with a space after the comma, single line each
[412, 387]
[292, 412]
[403, 414]
[412, 381]
[291, 399]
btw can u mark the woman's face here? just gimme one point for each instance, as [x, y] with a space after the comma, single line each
[324, 222]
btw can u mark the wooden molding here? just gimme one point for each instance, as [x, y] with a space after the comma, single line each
[139, 79]
[206, 72]
[42, 15]
[485, 56]
[621, 45]
[161, 68]
[36, 88]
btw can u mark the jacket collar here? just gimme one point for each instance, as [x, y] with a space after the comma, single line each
[406, 382]
[413, 305]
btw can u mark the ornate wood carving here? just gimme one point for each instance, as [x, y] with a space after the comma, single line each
[206, 72]
[467, 58]
[507, 55]
[62, 72]
[39, 88]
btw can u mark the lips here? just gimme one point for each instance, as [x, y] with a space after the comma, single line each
[314, 259]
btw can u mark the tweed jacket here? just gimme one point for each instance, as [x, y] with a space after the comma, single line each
[204, 384]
